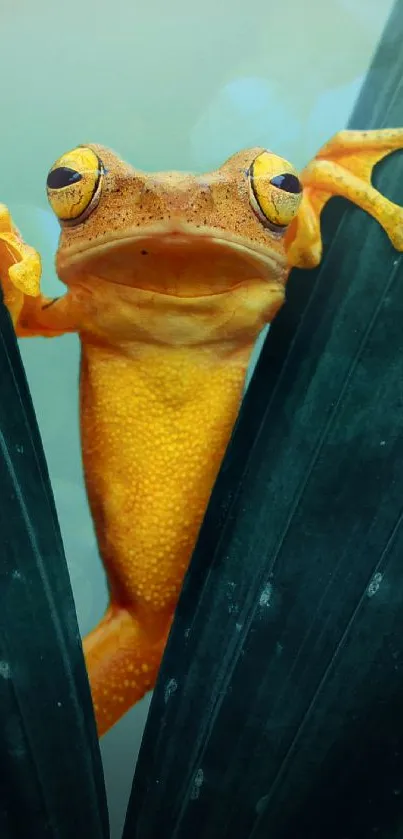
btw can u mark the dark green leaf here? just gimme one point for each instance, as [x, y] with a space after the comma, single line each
[51, 780]
[278, 708]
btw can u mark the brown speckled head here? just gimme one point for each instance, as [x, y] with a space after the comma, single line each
[181, 234]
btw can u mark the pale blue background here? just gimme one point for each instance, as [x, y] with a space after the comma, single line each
[167, 84]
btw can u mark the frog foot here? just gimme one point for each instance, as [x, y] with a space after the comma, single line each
[122, 662]
[20, 266]
[344, 167]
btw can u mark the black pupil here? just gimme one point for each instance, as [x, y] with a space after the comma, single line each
[287, 182]
[61, 177]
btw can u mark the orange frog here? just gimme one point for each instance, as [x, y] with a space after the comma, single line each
[170, 277]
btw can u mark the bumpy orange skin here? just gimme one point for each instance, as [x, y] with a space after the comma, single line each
[150, 464]
[170, 280]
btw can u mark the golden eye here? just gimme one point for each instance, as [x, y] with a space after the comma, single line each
[275, 190]
[74, 185]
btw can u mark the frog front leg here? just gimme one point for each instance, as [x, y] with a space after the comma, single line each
[20, 273]
[343, 167]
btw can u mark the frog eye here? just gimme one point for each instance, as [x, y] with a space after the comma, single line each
[74, 185]
[275, 190]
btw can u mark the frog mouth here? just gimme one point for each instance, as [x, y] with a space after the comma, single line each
[182, 261]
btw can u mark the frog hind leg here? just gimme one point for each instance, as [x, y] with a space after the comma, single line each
[343, 167]
[122, 661]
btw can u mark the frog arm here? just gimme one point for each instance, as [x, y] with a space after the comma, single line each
[20, 274]
[344, 167]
